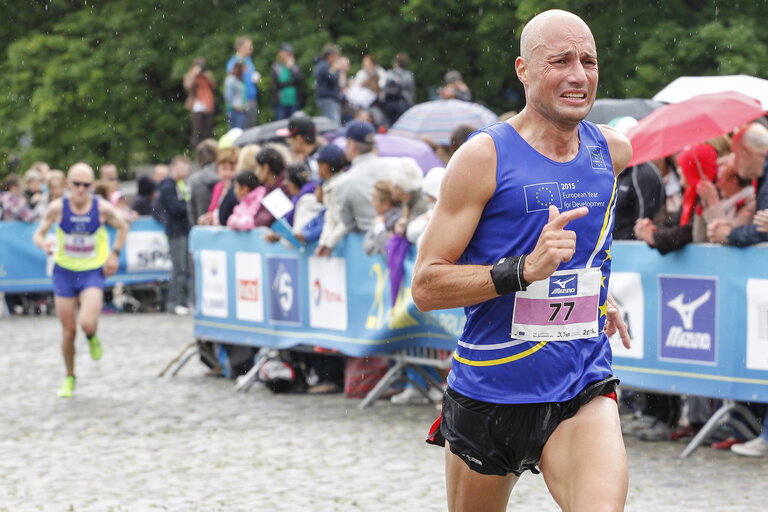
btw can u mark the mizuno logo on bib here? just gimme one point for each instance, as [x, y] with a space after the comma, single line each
[561, 308]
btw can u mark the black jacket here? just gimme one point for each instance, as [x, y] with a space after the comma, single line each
[639, 194]
[173, 209]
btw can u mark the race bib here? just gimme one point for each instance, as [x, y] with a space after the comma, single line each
[561, 308]
[79, 245]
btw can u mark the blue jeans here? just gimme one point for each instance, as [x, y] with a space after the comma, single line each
[284, 111]
[330, 108]
[236, 118]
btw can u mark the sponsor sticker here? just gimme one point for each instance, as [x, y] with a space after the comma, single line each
[283, 275]
[688, 319]
[328, 293]
[214, 283]
[249, 281]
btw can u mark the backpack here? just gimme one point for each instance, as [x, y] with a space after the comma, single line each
[281, 376]
[393, 88]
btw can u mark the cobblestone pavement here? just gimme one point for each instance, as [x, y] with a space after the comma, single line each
[129, 441]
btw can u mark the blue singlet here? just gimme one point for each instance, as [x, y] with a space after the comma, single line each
[545, 344]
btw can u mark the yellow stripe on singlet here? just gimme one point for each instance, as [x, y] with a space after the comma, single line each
[605, 220]
[503, 360]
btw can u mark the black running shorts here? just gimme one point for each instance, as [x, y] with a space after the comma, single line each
[498, 439]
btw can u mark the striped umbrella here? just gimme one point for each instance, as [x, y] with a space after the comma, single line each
[435, 120]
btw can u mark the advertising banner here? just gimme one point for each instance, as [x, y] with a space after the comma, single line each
[26, 268]
[698, 318]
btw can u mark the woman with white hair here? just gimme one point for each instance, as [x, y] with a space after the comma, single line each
[405, 177]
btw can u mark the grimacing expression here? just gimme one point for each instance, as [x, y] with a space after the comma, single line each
[560, 70]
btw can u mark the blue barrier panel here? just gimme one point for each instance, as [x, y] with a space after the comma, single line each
[26, 268]
[254, 293]
[698, 319]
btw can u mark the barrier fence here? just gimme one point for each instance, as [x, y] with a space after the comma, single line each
[26, 268]
[255, 293]
[698, 317]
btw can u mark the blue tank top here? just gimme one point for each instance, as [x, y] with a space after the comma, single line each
[544, 344]
[83, 243]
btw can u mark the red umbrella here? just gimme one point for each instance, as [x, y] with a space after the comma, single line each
[675, 126]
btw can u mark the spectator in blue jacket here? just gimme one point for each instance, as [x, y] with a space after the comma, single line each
[173, 198]
[750, 148]
[251, 77]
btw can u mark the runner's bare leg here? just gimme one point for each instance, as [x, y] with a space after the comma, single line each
[91, 302]
[584, 462]
[66, 308]
[470, 491]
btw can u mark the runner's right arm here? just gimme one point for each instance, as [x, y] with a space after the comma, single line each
[52, 215]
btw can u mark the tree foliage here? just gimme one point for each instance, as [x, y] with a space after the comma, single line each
[101, 81]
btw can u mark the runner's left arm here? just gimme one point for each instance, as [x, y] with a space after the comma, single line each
[112, 217]
[618, 146]
[615, 322]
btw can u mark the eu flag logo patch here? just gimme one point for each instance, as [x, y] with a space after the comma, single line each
[596, 157]
[540, 195]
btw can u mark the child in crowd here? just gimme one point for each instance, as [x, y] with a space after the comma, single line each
[331, 161]
[249, 194]
[118, 200]
[302, 192]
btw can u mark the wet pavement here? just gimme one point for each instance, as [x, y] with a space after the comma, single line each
[130, 441]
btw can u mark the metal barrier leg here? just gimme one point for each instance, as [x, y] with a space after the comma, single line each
[722, 415]
[184, 361]
[245, 382]
[178, 356]
[431, 380]
[395, 373]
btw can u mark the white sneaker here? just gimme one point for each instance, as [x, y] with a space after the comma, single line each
[436, 395]
[758, 447]
[410, 396]
[181, 310]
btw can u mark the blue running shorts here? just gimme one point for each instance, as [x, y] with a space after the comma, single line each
[68, 283]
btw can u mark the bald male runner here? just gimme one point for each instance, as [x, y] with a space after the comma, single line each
[83, 259]
[529, 204]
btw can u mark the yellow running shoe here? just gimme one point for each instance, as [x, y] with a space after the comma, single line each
[95, 345]
[68, 387]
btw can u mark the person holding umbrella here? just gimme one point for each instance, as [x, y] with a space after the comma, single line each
[528, 204]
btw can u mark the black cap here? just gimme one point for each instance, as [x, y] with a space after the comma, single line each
[299, 125]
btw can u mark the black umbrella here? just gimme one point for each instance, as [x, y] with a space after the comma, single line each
[268, 132]
[606, 109]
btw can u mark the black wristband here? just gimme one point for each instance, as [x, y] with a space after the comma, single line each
[507, 275]
[116, 251]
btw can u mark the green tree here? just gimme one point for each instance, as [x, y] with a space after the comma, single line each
[102, 81]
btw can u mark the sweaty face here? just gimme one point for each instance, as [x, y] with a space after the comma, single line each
[561, 73]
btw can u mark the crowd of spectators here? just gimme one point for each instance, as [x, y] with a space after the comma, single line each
[373, 93]
[713, 192]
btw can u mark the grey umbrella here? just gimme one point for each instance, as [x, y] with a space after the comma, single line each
[606, 109]
[268, 132]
